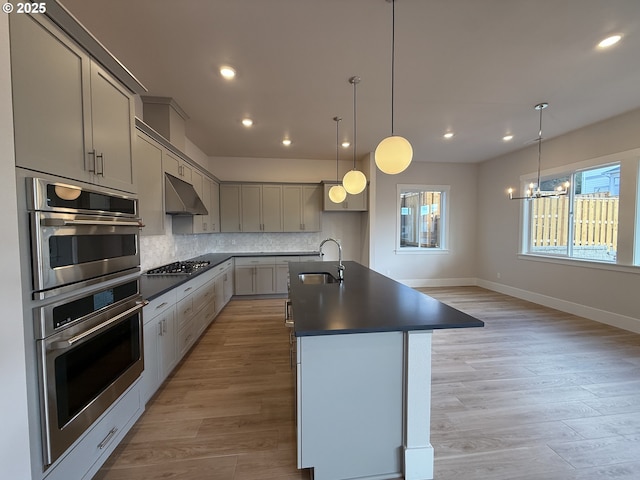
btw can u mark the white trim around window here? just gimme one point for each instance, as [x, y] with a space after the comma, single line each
[440, 244]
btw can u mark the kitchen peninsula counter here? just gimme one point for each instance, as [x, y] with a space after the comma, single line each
[365, 302]
[363, 373]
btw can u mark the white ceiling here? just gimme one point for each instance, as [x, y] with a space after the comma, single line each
[475, 67]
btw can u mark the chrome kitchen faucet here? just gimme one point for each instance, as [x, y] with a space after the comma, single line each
[340, 265]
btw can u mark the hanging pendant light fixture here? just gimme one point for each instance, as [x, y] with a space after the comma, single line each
[337, 193]
[533, 190]
[354, 182]
[394, 153]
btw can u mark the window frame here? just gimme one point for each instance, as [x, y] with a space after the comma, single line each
[444, 191]
[627, 259]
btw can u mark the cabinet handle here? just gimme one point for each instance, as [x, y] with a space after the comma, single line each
[187, 289]
[101, 157]
[93, 154]
[161, 305]
[108, 438]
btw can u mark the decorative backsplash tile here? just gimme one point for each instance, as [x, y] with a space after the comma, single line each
[161, 249]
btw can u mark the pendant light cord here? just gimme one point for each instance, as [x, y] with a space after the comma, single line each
[393, 58]
[337, 120]
[355, 82]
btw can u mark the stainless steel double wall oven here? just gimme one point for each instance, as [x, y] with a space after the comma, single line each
[88, 319]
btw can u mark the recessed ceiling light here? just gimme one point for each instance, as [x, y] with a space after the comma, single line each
[247, 122]
[227, 72]
[346, 144]
[448, 135]
[609, 41]
[507, 138]
[286, 142]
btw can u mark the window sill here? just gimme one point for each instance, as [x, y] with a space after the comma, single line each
[577, 262]
[422, 251]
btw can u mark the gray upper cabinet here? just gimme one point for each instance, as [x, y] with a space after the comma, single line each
[177, 167]
[71, 117]
[353, 203]
[270, 207]
[261, 208]
[302, 207]
[149, 177]
[230, 219]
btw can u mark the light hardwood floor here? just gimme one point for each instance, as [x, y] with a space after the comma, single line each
[535, 394]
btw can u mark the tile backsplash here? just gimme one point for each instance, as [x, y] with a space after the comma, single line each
[158, 250]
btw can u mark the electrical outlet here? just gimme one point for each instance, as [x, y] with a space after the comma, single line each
[499, 275]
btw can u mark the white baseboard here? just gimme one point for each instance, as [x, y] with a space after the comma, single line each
[440, 282]
[616, 320]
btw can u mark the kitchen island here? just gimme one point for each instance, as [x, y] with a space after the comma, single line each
[363, 368]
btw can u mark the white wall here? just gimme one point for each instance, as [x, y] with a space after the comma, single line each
[605, 295]
[14, 438]
[455, 267]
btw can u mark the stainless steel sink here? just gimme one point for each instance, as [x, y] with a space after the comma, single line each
[317, 278]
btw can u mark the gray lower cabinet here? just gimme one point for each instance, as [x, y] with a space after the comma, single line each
[262, 275]
[71, 117]
[255, 276]
[175, 320]
[159, 342]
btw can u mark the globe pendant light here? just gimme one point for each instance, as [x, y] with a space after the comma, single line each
[394, 153]
[337, 193]
[354, 182]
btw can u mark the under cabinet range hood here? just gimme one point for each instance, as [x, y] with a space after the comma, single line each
[180, 198]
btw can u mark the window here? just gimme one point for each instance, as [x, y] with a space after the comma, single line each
[582, 224]
[422, 214]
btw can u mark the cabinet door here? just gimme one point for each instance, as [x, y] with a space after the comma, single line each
[112, 119]
[244, 280]
[199, 221]
[205, 220]
[265, 279]
[49, 77]
[312, 207]
[230, 208]
[147, 163]
[251, 207]
[228, 285]
[167, 353]
[292, 208]
[177, 167]
[214, 212]
[219, 291]
[151, 376]
[357, 203]
[271, 208]
[282, 275]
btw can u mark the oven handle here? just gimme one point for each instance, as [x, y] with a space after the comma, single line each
[58, 222]
[91, 331]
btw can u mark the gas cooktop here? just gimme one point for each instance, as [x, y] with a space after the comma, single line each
[179, 268]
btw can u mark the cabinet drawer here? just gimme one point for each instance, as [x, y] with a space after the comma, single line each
[203, 296]
[91, 451]
[186, 338]
[159, 305]
[185, 311]
[218, 269]
[253, 261]
[286, 260]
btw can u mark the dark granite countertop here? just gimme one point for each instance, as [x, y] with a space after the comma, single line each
[365, 302]
[153, 286]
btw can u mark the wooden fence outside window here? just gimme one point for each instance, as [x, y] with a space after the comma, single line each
[595, 221]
